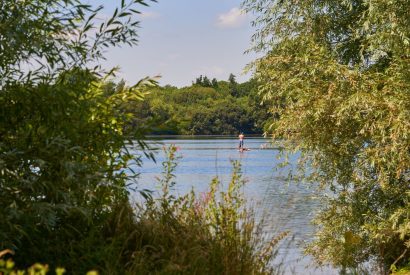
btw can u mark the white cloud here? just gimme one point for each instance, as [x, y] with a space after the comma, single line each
[149, 15]
[232, 19]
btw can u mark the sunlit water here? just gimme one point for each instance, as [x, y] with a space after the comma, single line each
[285, 205]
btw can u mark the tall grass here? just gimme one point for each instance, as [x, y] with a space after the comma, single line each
[212, 233]
[209, 234]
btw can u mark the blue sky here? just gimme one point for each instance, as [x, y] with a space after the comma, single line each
[182, 39]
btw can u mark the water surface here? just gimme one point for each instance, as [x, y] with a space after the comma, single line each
[286, 205]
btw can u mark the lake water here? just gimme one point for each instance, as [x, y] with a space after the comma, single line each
[285, 205]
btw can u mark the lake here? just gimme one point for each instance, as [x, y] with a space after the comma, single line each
[285, 205]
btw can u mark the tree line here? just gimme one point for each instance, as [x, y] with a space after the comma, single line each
[204, 108]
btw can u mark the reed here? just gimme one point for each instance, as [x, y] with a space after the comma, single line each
[210, 233]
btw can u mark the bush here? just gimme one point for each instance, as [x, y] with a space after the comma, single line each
[210, 234]
[62, 140]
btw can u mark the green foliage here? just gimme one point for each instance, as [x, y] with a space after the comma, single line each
[210, 234]
[336, 75]
[7, 267]
[65, 131]
[202, 109]
[226, 116]
[214, 233]
[402, 271]
[62, 141]
[205, 82]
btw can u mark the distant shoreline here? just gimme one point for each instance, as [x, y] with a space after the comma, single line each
[203, 136]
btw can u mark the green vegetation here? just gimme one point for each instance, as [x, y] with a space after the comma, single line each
[64, 139]
[62, 147]
[337, 76]
[205, 108]
[210, 234]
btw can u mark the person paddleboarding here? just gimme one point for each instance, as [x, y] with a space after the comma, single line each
[241, 138]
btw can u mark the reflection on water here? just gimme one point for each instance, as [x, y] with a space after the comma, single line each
[285, 205]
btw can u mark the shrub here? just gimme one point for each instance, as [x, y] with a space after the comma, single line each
[214, 233]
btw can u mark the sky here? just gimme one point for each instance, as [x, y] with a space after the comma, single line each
[183, 39]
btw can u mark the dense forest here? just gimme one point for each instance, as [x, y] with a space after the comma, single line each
[207, 107]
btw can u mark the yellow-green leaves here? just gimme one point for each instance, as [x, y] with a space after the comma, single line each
[337, 77]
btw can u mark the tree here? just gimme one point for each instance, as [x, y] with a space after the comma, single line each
[62, 141]
[199, 80]
[206, 82]
[232, 79]
[214, 83]
[224, 117]
[337, 75]
[233, 85]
